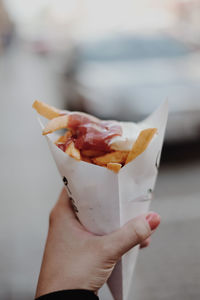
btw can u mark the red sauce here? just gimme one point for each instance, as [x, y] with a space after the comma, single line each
[63, 146]
[90, 133]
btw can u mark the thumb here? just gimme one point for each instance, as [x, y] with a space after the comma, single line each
[131, 234]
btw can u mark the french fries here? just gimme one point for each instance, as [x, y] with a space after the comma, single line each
[115, 167]
[61, 122]
[113, 157]
[73, 152]
[114, 160]
[91, 153]
[86, 159]
[46, 110]
[141, 143]
[56, 124]
[63, 138]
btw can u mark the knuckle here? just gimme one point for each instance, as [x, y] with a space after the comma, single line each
[141, 231]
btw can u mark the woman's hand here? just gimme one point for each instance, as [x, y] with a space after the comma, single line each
[77, 259]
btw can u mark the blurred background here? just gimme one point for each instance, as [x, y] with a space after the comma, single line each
[114, 59]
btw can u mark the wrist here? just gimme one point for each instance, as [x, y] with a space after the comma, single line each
[69, 294]
[59, 282]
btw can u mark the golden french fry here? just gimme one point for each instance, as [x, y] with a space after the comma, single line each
[113, 157]
[115, 167]
[46, 110]
[56, 124]
[68, 134]
[92, 153]
[141, 143]
[73, 152]
[86, 159]
[61, 139]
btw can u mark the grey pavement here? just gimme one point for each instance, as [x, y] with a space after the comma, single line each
[30, 184]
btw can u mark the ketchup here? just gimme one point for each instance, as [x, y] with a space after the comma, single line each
[63, 146]
[90, 133]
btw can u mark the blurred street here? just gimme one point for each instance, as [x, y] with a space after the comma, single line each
[30, 184]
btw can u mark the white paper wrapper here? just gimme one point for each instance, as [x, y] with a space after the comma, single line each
[104, 200]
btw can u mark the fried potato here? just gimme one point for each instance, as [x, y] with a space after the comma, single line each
[114, 160]
[56, 124]
[86, 159]
[91, 153]
[115, 167]
[68, 134]
[141, 143]
[46, 110]
[73, 152]
[113, 157]
[63, 138]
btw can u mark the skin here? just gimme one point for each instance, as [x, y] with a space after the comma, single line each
[77, 259]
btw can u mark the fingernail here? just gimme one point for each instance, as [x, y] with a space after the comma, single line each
[153, 219]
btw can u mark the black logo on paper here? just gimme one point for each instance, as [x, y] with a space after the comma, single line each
[66, 183]
[73, 204]
[149, 194]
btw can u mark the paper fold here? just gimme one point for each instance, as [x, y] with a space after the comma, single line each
[105, 201]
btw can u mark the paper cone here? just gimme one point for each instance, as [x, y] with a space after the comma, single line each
[104, 200]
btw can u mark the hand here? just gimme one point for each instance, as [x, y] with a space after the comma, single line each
[77, 259]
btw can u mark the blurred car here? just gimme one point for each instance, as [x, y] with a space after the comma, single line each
[126, 77]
